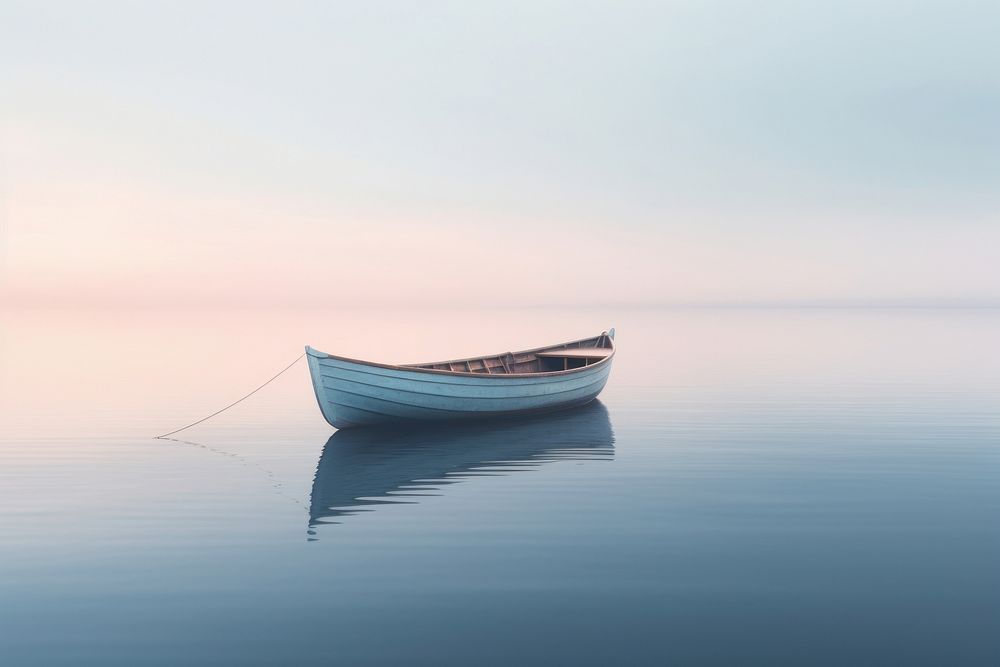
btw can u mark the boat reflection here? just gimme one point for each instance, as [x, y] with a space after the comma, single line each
[363, 468]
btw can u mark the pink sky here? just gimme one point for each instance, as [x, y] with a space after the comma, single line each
[477, 155]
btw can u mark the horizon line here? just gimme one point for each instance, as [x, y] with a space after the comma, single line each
[912, 303]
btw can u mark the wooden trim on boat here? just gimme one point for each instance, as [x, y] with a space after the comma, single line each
[418, 368]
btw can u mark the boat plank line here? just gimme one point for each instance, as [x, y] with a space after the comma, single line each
[428, 407]
[469, 414]
[513, 380]
[450, 396]
[534, 399]
[394, 370]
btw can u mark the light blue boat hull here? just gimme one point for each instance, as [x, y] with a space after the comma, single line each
[357, 393]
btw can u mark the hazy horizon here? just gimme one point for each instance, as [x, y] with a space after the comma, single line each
[686, 154]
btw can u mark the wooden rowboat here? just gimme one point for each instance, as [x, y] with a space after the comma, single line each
[351, 392]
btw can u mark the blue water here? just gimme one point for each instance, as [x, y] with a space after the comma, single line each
[754, 487]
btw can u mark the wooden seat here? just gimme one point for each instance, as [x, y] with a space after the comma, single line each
[577, 353]
[571, 356]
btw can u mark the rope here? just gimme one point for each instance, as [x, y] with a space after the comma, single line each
[184, 428]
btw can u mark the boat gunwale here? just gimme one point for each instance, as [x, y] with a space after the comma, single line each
[499, 376]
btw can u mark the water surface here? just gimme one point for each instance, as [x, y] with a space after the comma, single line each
[754, 487]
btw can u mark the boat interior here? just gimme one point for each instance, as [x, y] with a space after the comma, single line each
[565, 356]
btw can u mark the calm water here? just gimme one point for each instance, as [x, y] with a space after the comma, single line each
[755, 487]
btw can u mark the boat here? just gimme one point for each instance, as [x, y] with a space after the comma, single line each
[352, 392]
[362, 469]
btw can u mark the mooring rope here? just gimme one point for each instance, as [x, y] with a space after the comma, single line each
[184, 428]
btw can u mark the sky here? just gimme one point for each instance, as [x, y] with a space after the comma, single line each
[450, 153]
